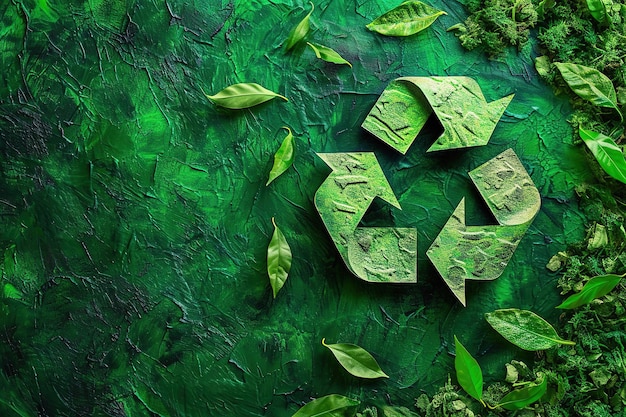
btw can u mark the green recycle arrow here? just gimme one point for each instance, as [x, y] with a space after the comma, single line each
[373, 254]
[458, 103]
[462, 252]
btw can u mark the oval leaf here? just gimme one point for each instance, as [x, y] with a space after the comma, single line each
[589, 84]
[520, 398]
[278, 259]
[596, 287]
[283, 158]
[242, 96]
[334, 405]
[607, 153]
[468, 372]
[407, 19]
[597, 10]
[356, 360]
[525, 329]
[327, 54]
[300, 31]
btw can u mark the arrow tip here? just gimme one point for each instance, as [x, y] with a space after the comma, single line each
[443, 253]
[498, 107]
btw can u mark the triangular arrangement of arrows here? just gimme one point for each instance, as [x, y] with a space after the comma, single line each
[459, 252]
[458, 103]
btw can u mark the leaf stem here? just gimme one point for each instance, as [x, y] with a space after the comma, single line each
[489, 406]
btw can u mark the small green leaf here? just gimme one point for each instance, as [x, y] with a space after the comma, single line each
[300, 31]
[283, 158]
[589, 84]
[544, 6]
[407, 19]
[598, 10]
[242, 96]
[525, 329]
[542, 65]
[468, 372]
[11, 292]
[333, 405]
[607, 153]
[356, 360]
[327, 54]
[596, 287]
[278, 259]
[520, 398]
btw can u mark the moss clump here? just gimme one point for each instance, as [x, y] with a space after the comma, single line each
[447, 402]
[494, 25]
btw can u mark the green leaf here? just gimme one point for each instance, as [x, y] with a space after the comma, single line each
[283, 158]
[525, 329]
[542, 65]
[11, 292]
[407, 19]
[242, 96]
[607, 153]
[544, 6]
[278, 259]
[327, 54]
[356, 360]
[520, 398]
[589, 84]
[598, 10]
[596, 287]
[333, 405]
[300, 31]
[468, 372]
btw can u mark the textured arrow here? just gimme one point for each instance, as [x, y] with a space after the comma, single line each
[458, 103]
[373, 254]
[462, 252]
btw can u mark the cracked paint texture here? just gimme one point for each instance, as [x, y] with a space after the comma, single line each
[134, 216]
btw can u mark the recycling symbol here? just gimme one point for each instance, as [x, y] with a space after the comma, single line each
[459, 252]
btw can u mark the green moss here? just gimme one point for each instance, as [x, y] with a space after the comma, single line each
[495, 25]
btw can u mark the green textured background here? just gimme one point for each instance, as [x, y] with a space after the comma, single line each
[135, 218]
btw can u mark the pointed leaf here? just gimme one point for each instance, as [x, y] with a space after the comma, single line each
[589, 84]
[596, 287]
[333, 405]
[300, 31]
[520, 398]
[525, 329]
[356, 360]
[242, 96]
[278, 259]
[407, 19]
[597, 10]
[607, 153]
[283, 158]
[468, 372]
[327, 54]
